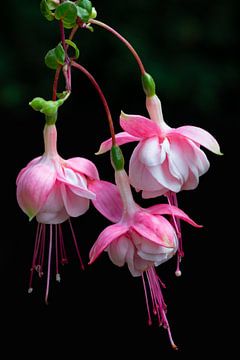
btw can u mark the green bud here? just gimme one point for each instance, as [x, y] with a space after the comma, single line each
[117, 158]
[148, 85]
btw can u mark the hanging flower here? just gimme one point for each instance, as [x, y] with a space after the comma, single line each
[140, 238]
[53, 190]
[165, 159]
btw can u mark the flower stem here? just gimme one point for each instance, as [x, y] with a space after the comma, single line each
[55, 82]
[120, 37]
[104, 101]
[66, 66]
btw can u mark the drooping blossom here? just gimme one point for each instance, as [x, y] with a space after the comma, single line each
[165, 159]
[53, 189]
[140, 238]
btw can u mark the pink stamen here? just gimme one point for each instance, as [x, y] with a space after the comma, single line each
[76, 244]
[55, 239]
[63, 253]
[158, 303]
[172, 200]
[49, 264]
[58, 278]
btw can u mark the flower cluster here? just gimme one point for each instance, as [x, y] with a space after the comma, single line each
[164, 162]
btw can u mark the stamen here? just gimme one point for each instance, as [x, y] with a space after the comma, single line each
[172, 200]
[55, 239]
[76, 244]
[49, 264]
[63, 253]
[158, 303]
[35, 254]
[56, 253]
[146, 299]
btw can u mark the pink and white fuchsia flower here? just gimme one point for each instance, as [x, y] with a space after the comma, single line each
[165, 158]
[141, 238]
[53, 190]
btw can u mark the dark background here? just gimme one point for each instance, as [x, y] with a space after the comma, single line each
[189, 47]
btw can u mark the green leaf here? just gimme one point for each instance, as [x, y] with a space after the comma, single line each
[55, 57]
[46, 10]
[60, 54]
[50, 59]
[73, 45]
[85, 10]
[85, 4]
[83, 14]
[67, 12]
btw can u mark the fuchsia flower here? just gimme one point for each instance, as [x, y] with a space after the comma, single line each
[141, 238]
[165, 158]
[53, 190]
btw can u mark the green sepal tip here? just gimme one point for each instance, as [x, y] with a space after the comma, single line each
[148, 85]
[117, 158]
[48, 107]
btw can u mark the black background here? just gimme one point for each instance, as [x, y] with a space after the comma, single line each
[101, 311]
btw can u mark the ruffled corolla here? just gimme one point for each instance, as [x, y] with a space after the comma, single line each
[165, 159]
[140, 238]
[53, 189]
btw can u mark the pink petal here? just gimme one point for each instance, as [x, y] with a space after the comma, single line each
[83, 166]
[154, 228]
[34, 186]
[118, 250]
[139, 126]
[150, 152]
[32, 162]
[108, 200]
[153, 194]
[165, 209]
[201, 137]
[177, 164]
[201, 160]
[75, 205]
[108, 235]
[139, 174]
[162, 175]
[121, 138]
[76, 182]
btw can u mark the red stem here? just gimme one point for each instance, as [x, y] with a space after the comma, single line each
[55, 83]
[129, 46]
[104, 101]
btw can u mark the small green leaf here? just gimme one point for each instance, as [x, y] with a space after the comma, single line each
[52, 4]
[50, 59]
[67, 12]
[46, 10]
[73, 45]
[85, 4]
[83, 14]
[60, 54]
[55, 57]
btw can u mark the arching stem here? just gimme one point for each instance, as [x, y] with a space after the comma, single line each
[104, 101]
[120, 37]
